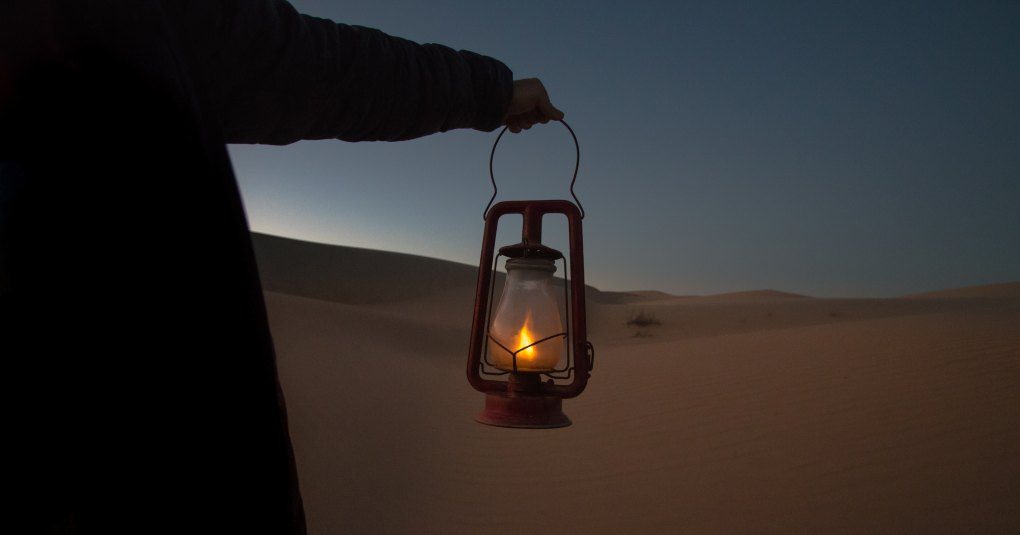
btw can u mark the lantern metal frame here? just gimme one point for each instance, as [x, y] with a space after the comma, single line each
[568, 368]
[525, 400]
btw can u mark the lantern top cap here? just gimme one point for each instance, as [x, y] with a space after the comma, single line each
[526, 250]
[537, 264]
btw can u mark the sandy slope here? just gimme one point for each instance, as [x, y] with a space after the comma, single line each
[763, 414]
[1007, 290]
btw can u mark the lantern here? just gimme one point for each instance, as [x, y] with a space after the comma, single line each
[534, 351]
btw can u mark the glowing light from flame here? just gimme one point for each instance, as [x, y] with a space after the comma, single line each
[525, 338]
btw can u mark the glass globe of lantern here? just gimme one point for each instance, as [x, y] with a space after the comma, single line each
[527, 313]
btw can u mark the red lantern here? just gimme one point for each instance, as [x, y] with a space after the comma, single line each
[541, 350]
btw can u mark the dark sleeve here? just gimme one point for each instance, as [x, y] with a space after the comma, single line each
[272, 75]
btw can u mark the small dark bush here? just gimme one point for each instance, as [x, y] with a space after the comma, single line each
[642, 318]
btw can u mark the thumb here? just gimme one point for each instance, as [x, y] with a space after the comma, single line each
[548, 110]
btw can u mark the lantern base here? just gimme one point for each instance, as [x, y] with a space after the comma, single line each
[529, 412]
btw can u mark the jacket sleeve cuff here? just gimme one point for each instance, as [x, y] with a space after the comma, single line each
[493, 84]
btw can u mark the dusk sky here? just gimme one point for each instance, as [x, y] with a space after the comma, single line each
[852, 149]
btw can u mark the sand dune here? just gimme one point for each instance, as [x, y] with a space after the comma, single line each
[764, 414]
[352, 275]
[754, 295]
[637, 296]
[365, 276]
[649, 296]
[1006, 290]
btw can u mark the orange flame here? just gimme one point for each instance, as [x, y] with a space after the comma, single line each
[525, 338]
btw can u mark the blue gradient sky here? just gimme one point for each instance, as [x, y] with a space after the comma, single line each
[834, 150]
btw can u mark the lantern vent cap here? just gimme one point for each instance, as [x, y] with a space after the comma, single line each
[529, 251]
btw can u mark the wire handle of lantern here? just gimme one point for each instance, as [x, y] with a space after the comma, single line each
[577, 164]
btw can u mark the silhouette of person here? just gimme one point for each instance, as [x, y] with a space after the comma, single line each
[139, 361]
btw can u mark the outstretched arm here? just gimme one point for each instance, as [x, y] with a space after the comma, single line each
[272, 75]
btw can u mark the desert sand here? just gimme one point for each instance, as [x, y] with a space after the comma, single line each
[757, 411]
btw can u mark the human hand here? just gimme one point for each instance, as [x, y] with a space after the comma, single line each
[530, 105]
